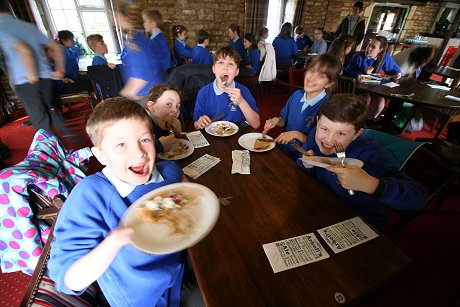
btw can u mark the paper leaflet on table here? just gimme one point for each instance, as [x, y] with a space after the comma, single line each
[197, 138]
[200, 166]
[347, 234]
[294, 252]
[241, 162]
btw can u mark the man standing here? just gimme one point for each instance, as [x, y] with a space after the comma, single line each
[353, 24]
[28, 69]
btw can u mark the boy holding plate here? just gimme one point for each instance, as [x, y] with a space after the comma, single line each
[224, 95]
[376, 185]
[89, 244]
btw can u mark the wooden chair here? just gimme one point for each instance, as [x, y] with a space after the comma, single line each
[295, 79]
[252, 82]
[345, 84]
[68, 100]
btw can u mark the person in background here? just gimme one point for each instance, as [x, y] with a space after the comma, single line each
[22, 45]
[158, 50]
[299, 113]
[99, 47]
[224, 95]
[235, 41]
[377, 184]
[353, 24]
[285, 47]
[250, 65]
[182, 51]
[301, 39]
[163, 106]
[319, 45]
[89, 243]
[261, 44]
[372, 61]
[200, 54]
[341, 47]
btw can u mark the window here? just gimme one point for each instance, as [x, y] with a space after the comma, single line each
[279, 12]
[82, 18]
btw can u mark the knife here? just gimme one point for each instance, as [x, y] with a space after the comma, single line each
[217, 117]
[299, 149]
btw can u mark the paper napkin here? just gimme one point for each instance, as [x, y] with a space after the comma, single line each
[241, 162]
[439, 87]
[197, 138]
[391, 84]
[453, 97]
[200, 166]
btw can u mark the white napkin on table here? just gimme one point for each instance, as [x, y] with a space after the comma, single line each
[241, 162]
[391, 84]
[439, 87]
[453, 97]
[200, 166]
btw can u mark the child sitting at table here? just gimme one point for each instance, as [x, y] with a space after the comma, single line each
[301, 39]
[89, 243]
[376, 185]
[99, 47]
[235, 40]
[299, 113]
[200, 54]
[163, 106]
[319, 45]
[224, 95]
[372, 61]
[250, 65]
[182, 51]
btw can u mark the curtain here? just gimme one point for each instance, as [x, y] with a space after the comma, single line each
[298, 15]
[256, 12]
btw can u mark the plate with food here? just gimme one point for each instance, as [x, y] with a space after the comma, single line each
[180, 149]
[328, 161]
[254, 142]
[222, 128]
[172, 218]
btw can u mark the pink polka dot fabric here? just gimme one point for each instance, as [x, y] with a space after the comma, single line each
[49, 167]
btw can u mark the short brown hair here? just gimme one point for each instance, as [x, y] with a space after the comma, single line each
[109, 112]
[345, 108]
[93, 39]
[328, 65]
[133, 14]
[153, 15]
[227, 51]
[157, 90]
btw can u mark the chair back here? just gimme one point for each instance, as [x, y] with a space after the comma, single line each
[296, 76]
[345, 84]
[106, 82]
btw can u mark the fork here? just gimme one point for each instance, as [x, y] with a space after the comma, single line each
[340, 152]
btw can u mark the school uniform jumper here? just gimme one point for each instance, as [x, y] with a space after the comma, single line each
[201, 55]
[400, 191]
[285, 50]
[302, 42]
[99, 59]
[211, 101]
[299, 114]
[360, 62]
[252, 57]
[159, 56]
[93, 209]
[237, 43]
[181, 50]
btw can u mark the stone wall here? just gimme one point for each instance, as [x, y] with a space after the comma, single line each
[420, 19]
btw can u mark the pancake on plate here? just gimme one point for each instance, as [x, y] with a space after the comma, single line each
[261, 144]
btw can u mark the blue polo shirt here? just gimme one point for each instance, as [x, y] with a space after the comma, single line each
[14, 31]
[211, 101]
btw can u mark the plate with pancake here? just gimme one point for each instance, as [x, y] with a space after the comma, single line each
[180, 149]
[254, 142]
[328, 161]
[172, 218]
[222, 128]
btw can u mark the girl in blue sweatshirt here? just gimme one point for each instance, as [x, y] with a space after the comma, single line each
[182, 51]
[251, 64]
[372, 61]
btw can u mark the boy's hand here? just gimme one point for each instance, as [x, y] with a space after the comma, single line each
[167, 141]
[235, 95]
[68, 80]
[310, 153]
[286, 137]
[270, 124]
[111, 65]
[202, 122]
[369, 70]
[352, 177]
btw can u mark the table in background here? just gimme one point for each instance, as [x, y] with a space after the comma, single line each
[278, 201]
[447, 72]
[424, 96]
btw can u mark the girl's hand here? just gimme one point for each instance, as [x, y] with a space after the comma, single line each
[369, 70]
[270, 124]
[235, 95]
[167, 141]
[202, 122]
[286, 137]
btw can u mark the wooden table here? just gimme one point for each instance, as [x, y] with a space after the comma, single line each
[424, 96]
[279, 201]
[448, 72]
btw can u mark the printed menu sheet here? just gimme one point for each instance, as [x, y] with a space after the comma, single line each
[197, 138]
[347, 234]
[200, 166]
[294, 252]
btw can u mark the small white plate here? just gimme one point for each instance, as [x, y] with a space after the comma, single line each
[160, 238]
[247, 141]
[348, 161]
[177, 152]
[213, 128]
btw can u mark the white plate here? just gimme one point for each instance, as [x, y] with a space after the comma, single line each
[174, 153]
[247, 141]
[348, 161]
[211, 129]
[160, 238]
